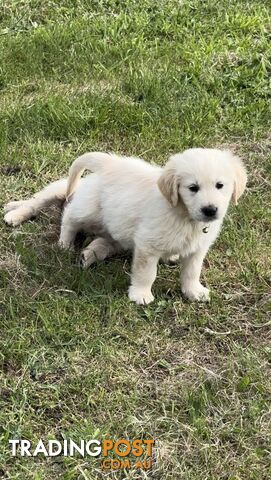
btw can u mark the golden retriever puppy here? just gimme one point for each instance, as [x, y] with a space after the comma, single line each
[156, 212]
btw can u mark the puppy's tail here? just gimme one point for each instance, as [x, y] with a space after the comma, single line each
[93, 161]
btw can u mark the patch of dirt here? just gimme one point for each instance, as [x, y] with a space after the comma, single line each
[8, 170]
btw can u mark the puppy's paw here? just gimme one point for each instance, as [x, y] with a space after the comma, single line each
[18, 215]
[196, 293]
[12, 205]
[63, 245]
[87, 258]
[140, 296]
[172, 260]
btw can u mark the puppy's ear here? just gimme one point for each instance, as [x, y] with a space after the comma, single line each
[168, 185]
[240, 179]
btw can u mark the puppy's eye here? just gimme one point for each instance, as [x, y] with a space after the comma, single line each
[219, 185]
[194, 188]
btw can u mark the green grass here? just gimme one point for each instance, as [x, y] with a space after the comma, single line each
[77, 358]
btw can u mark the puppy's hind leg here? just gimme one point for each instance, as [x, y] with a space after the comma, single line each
[98, 250]
[21, 211]
[69, 229]
[81, 213]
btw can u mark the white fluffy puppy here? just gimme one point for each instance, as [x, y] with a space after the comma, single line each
[157, 212]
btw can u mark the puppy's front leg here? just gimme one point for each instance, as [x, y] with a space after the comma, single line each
[190, 283]
[143, 275]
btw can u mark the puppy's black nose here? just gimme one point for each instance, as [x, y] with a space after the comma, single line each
[209, 211]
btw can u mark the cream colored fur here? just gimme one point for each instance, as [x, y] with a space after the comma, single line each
[130, 204]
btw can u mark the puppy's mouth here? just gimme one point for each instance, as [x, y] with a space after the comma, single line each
[205, 219]
[200, 217]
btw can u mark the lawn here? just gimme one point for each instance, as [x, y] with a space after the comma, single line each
[77, 359]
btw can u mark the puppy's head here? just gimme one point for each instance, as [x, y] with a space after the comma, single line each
[204, 181]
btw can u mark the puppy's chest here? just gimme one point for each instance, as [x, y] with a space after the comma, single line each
[189, 244]
[186, 240]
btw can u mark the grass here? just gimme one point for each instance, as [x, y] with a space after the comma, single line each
[77, 359]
